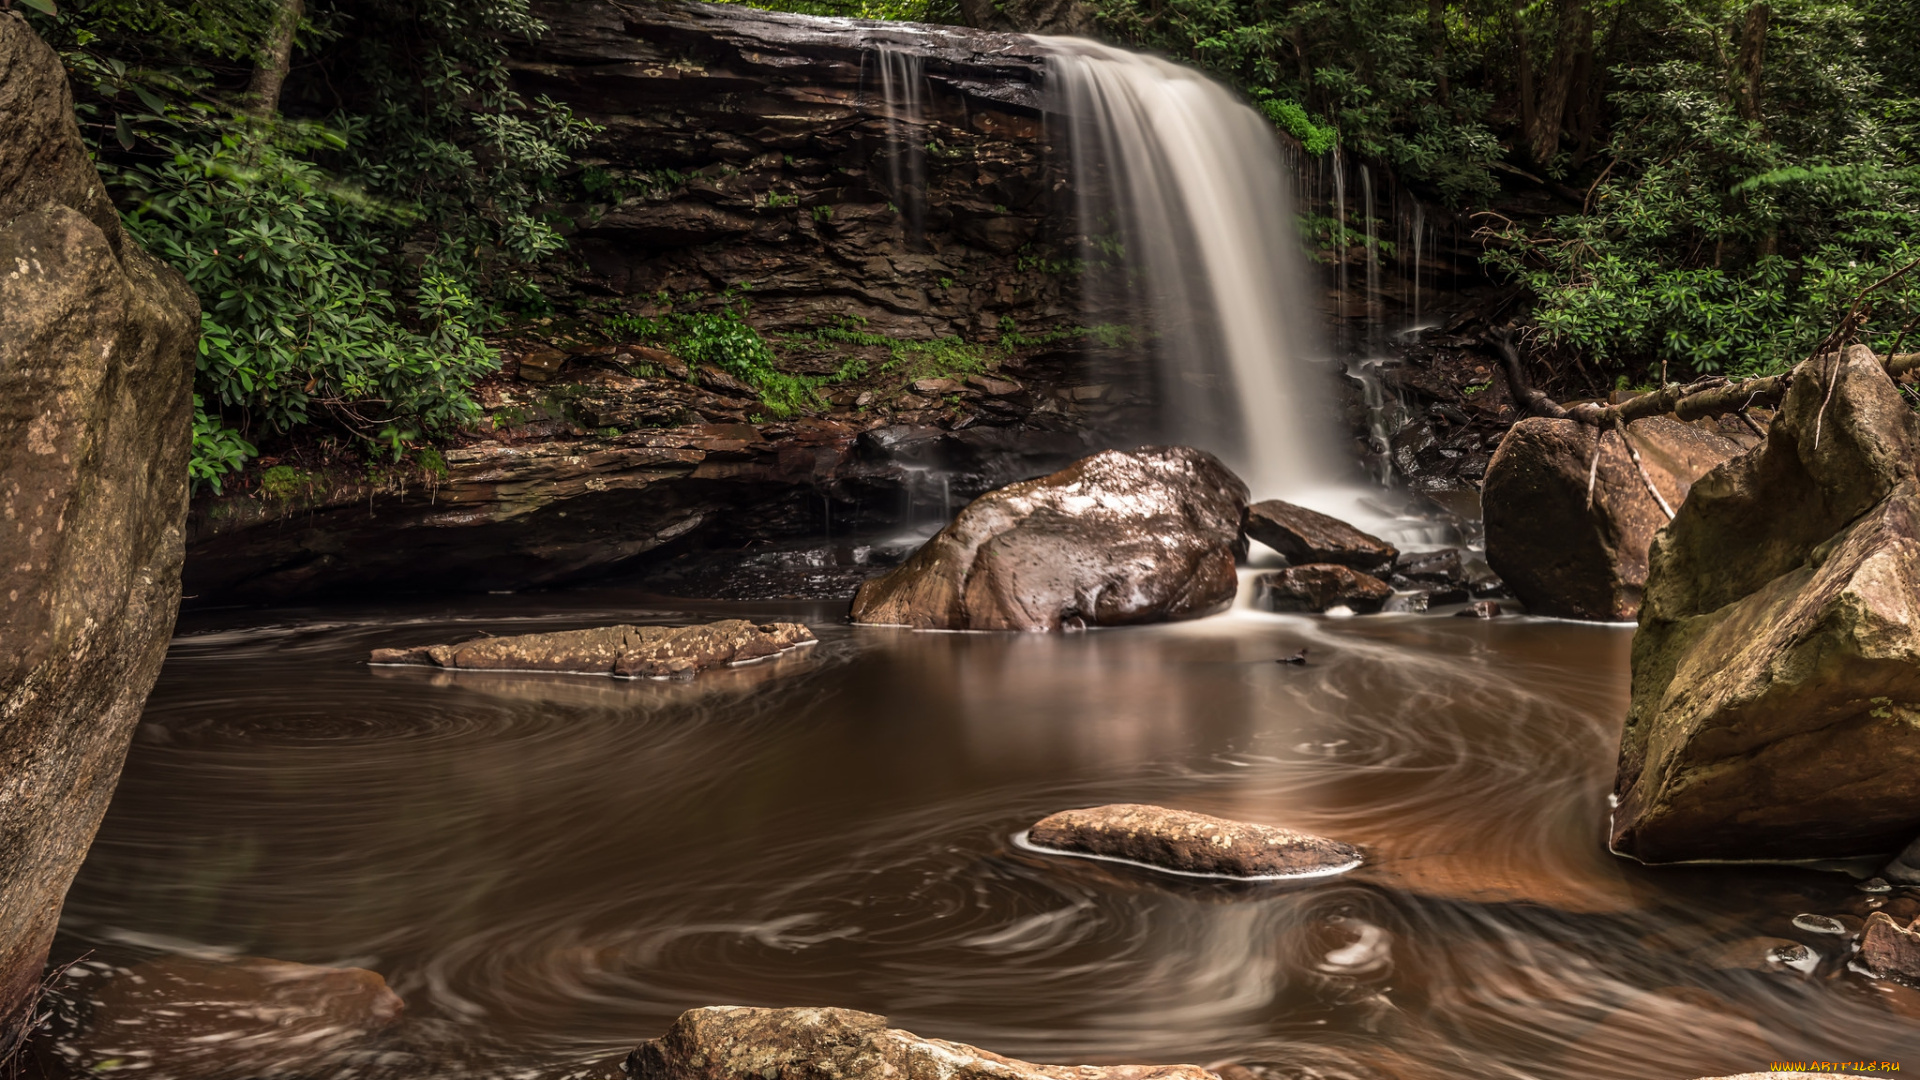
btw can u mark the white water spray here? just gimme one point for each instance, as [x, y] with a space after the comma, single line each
[1191, 183]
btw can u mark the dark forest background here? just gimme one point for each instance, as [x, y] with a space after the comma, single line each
[361, 199]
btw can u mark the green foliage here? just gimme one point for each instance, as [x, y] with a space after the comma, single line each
[217, 449]
[723, 340]
[350, 250]
[294, 314]
[283, 482]
[926, 11]
[1722, 242]
[1356, 74]
[1291, 118]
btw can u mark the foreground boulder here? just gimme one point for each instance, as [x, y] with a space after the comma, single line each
[727, 1042]
[97, 344]
[1112, 539]
[1562, 556]
[1189, 843]
[1890, 947]
[1320, 587]
[231, 1019]
[1307, 536]
[1776, 671]
[632, 652]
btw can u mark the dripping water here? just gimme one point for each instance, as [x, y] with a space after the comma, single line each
[1370, 306]
[902, 75]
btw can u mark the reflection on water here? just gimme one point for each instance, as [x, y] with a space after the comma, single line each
[548, 868]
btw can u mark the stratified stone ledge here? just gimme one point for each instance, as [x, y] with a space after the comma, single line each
[630, 652]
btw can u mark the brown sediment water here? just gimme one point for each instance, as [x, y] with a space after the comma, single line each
[548, 868]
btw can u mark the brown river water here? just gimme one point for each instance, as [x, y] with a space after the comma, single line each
[549, 868]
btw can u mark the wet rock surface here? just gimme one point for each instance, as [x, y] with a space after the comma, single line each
[736, 1043]
[1776, 671]
[1320, 587]
[1307, 536]
[1113, 539]
[522, 512]
[1575, 557]
[626, 651]
[798, 177]
[1446, 575]
[97, 347]
[1191, 843]
[751, 150]
[230, 1018]
[1891, 947]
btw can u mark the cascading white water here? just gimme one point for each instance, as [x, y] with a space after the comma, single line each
[903, 91]
[1192, 182]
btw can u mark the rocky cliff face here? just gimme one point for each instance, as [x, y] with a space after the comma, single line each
[896, 173]
[96, 361]
[870, 193]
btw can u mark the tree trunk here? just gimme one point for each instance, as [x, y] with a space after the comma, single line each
[1437, 27]
[1523, 48]
[1573, 39]
[275, 57]
[1753, 49]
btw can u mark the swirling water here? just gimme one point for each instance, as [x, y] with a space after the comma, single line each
[549, 868]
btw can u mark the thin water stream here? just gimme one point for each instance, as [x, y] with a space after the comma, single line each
[549, 868]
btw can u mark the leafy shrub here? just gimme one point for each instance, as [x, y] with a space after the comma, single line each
[350, 250]
[723, 340]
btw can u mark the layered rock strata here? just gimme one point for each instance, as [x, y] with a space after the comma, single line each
[514, 513]
[97, 344]
[755, 154]
[1569, 518]
[1113, 539]
[886, 171]
[1190, 843]
[1776, 671]
[630, 652]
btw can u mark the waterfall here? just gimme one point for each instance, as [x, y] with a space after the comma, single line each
[1371, 308]
[902, 90]
[1211, 269]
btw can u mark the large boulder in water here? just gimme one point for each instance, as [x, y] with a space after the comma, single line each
[1112, 539]
[723, 1042]
[1776, 672]
[97, 343]
[630, 652]
[1189, 843]
[1563, 555]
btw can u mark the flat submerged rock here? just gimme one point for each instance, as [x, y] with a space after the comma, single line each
[728, 1042]
[1188, 843]
[630, 652]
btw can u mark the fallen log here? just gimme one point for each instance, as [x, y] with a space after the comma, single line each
[1713, 396]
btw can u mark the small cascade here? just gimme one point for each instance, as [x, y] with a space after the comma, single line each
[1419, 232]
[1340, 244]
[1194, 184]
[1371, 306]
[903, 82]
